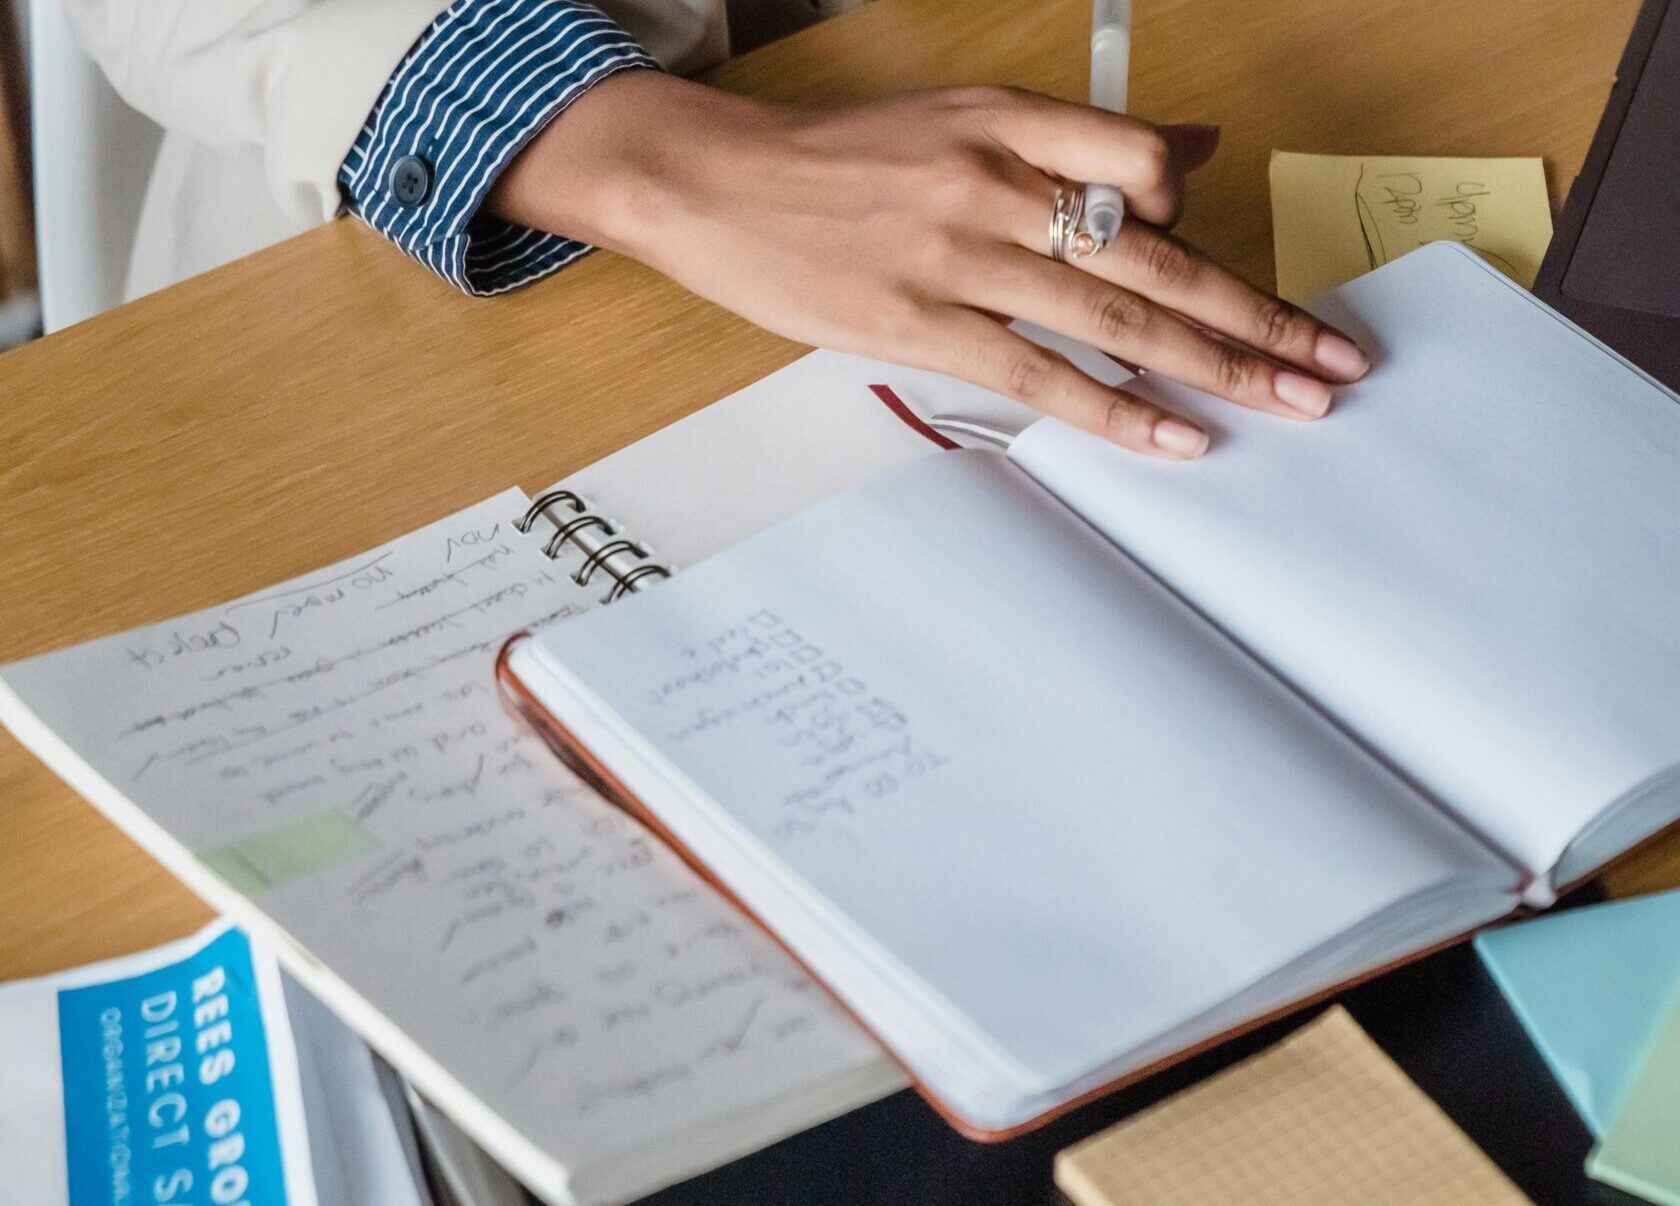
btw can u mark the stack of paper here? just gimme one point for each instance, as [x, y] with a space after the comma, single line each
[1598, 991]
[1591, 986]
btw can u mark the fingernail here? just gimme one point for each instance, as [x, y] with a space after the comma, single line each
[1339, 357]
[1304, 395]
[1178, 438]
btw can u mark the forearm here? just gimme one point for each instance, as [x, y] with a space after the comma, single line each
[636, 148]
[899, 229]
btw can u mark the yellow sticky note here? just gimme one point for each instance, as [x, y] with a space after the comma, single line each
[1335, 217]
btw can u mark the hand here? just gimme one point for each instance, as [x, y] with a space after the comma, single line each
[903, 229]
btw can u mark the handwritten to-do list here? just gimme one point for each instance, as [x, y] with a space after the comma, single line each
[1335, 217]
[333, 748]
[852, 747]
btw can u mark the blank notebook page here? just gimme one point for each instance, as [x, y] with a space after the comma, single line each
[1473, 562]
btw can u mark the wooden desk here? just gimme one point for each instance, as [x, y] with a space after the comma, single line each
[327, 394]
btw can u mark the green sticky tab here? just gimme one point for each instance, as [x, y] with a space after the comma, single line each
[298, 848]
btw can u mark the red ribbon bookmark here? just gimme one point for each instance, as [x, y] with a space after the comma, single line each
[909, 417]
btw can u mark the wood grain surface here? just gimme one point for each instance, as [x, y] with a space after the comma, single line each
[17, 215]
[327, 394]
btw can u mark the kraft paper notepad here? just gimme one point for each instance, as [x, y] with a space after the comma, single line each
[1640, 1154]
[1322, 1117]
[1335, 217]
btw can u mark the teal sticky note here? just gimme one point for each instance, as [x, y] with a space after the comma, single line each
[1591, 986]
[1640, 1154]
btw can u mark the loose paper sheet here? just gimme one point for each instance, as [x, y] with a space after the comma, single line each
[1335, 217]
[1320, 1119]
[127, 1079]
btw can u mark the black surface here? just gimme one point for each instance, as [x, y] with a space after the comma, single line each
[1633, 219]
[1441, 1019]
[1628, 254]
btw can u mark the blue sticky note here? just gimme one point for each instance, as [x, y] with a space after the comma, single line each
[1592, 986]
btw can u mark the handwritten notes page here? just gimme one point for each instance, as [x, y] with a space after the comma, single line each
[1335, 217]
[1029, 814]
[333, 750]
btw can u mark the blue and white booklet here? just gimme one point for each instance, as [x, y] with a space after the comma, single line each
[160, 1078]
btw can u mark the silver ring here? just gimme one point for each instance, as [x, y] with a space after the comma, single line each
[1067, 241]
[1064, 221]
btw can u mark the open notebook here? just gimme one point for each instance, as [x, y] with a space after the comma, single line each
[1055, 765]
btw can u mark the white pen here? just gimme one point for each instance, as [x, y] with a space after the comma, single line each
[1111, 64]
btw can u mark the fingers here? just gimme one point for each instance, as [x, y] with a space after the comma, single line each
[1173, 274]
[966, 344]
[1028, 193]
[1075, 142]
[1176, 275]
[1122, 322]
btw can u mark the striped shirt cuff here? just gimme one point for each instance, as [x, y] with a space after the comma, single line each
[480, 83]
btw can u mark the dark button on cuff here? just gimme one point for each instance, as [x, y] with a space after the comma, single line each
[411, 180]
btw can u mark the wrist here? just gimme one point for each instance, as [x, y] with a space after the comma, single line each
[611, 169]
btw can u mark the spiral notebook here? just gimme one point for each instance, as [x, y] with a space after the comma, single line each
[1057, 765]
[326, 761]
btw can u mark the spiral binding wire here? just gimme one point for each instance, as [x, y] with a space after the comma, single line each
[600, 543]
